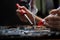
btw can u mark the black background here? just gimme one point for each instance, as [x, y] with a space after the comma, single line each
[8, 13]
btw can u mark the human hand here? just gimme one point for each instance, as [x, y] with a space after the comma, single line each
[23, 10]
[53, 21]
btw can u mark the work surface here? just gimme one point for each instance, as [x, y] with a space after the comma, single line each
[4, 32]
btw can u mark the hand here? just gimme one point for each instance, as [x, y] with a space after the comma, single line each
[23, 10]
[53, 21]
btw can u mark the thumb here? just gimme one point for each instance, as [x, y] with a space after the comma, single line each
[54, 11]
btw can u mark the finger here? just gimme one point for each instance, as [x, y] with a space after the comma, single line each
[47, 23]
[18, 6]
[24, 8]
[54, 11]
[18, 11]
[49, 17]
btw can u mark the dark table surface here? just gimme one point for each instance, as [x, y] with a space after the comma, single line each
[28, 33]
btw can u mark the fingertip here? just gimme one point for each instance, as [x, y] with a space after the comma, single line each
[18, 6]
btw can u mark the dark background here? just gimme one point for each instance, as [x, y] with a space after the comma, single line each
[7, 12]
